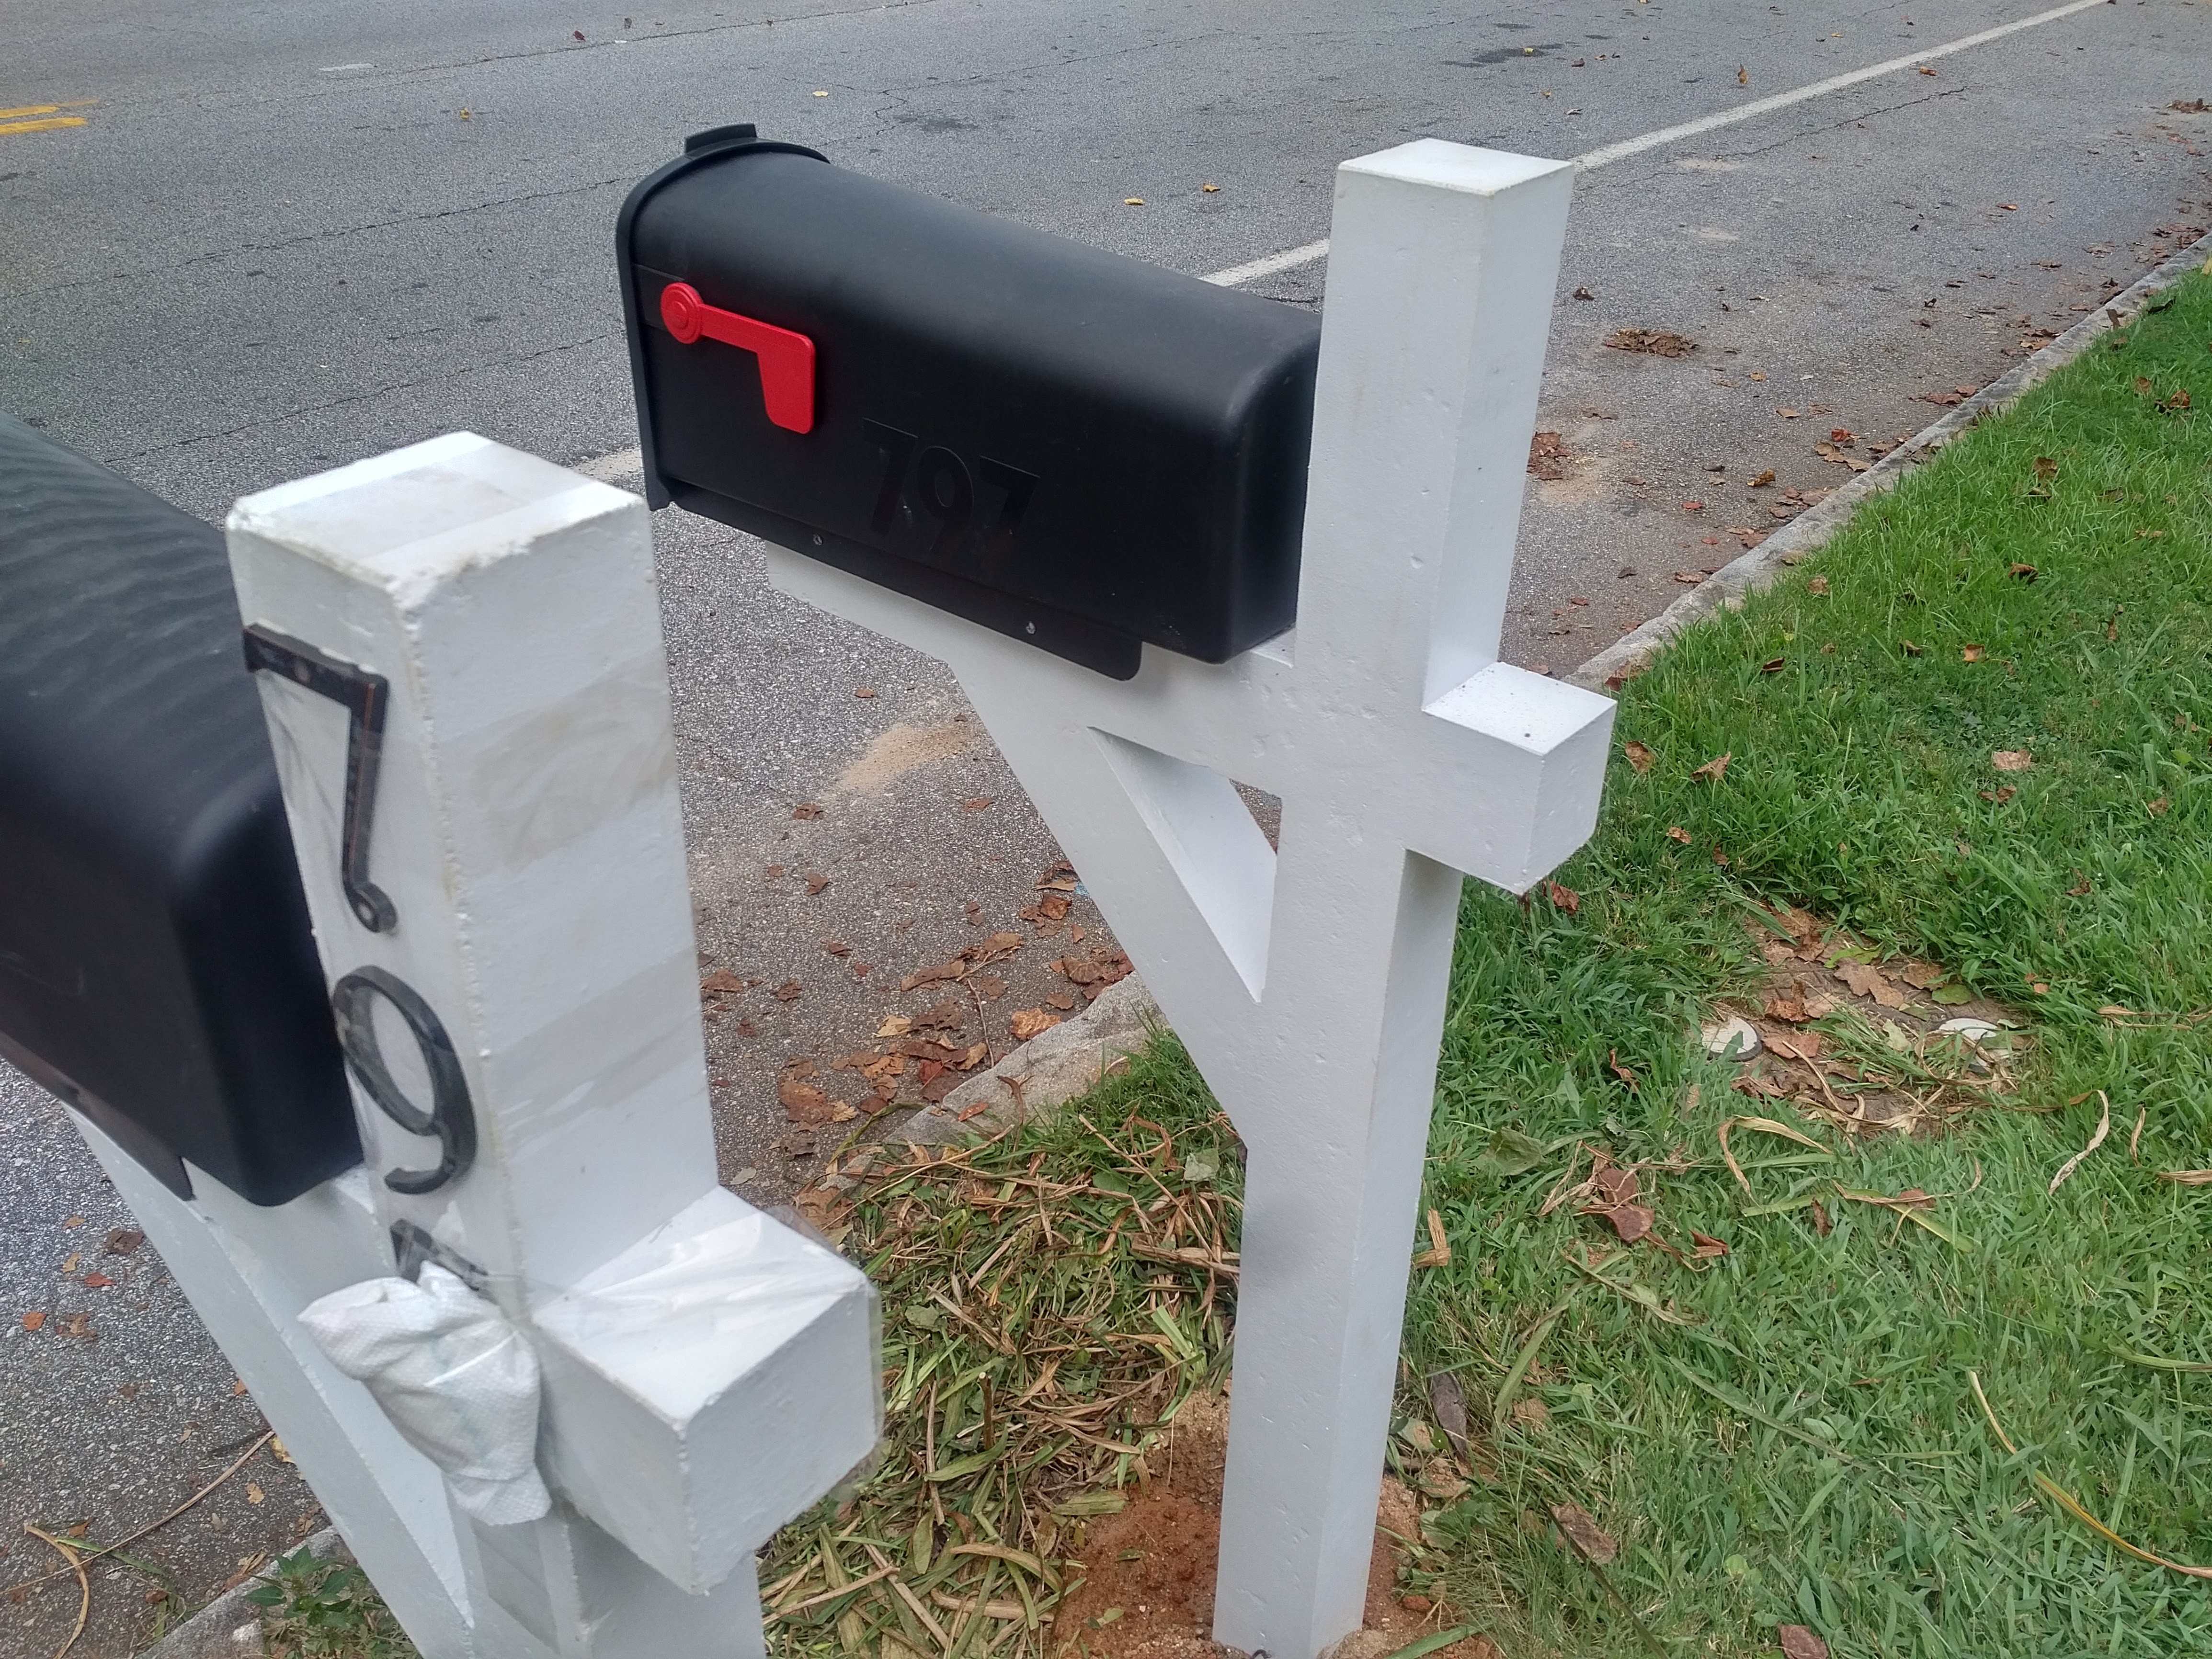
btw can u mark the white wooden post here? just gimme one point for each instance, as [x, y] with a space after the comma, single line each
[1310, 985]
[461, 668]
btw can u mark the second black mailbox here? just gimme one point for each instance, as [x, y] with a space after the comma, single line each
[1072, 448]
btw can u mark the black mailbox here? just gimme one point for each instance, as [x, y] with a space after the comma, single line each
[156, 967]
[1078, 449]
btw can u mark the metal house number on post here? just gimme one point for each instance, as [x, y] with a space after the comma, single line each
[449, 1120]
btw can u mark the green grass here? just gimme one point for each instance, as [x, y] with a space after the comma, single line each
[1807, 1449]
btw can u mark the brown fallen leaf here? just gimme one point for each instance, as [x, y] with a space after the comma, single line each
[1999, 797]
[1027, 1022]
[1633, 1222]
[1563, 898]
[1649, 341]
[977, 804]
[1798, 1641]
[836, 947]
[1591, 1541]
[789, 991]
[721, 983]
[1830, 453]
[1796, 1045]
[864, 690]
[124, 1240]
[816, 883]
[1773, 665]
[1714, 769]
[1817, 584]
[1868, 980]
[896, 1025]
[1636, 755]
[1059, 878]
[1969, 653]
[2178, 1178]
[37, 1322]
[1061, 1001]
[803, 1103]
[1547, 456]
[807, 810]
[1050, 908]
[2012, 759]
[1705, 1246]
[930, 976]
[1790, 1010]
[994, 947]
[1675, 832]
[1909, 648]
[946, 1016]
[1762, 480]
[2158, 808]
[96, 1281]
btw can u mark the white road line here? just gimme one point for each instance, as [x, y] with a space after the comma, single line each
[1291, 258]
[1757, 107]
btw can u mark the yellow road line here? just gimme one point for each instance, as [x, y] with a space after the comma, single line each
[29, 109]
[47, 125]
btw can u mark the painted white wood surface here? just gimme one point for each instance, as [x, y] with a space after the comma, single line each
[708, 1373]
[1308, 983]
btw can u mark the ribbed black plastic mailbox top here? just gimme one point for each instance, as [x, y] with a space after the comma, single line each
[1075, 448]
[156, 969]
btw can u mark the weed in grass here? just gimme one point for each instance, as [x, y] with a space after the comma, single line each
[315, 1608]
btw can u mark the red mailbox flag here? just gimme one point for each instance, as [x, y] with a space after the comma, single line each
[787, 360]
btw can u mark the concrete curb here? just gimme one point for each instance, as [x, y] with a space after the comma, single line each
[230, 1627]
[1047, 1071]
[1632, 652]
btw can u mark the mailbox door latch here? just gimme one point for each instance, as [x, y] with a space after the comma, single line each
[787, 358]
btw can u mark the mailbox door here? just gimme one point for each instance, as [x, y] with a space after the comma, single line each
[156, 969]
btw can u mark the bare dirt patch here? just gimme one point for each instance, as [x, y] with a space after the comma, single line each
[1857, 1039]
[1148, 1588]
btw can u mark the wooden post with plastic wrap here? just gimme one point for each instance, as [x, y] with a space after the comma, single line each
[1308, 982]
[626, 1377]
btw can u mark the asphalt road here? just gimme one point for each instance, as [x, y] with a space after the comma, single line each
[282, 238]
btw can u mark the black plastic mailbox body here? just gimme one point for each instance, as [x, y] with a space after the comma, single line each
[156, 967]
[1075, 448]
